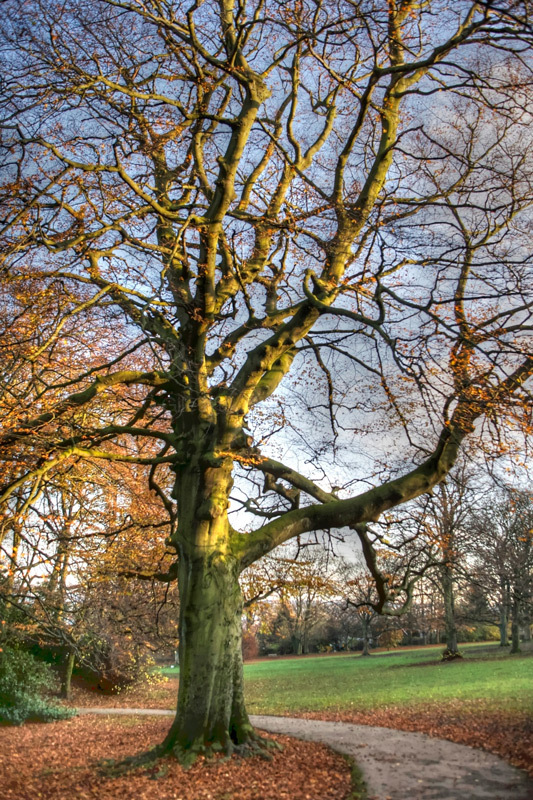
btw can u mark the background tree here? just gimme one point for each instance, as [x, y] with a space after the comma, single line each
[230, 190]
[302, 598]
[445, 516]
[360, 595]
[90, 584]
[504, 533]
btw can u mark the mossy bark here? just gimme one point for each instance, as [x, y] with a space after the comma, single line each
[452, 649]
[211, 714]
[66, 675]
[504, 610]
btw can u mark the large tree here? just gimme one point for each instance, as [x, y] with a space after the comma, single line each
[240, 192]
[444, 519]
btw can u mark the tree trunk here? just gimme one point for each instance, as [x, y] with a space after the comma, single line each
[526, 625]
[452, 651]
[504, 642]
[305, 633]
[210, 712]
[9, 582]
[503, 612]
[66, 675]
[297, 646]
[366, 646]
[211, 715]
[515, 626]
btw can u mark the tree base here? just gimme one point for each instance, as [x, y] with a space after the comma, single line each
[451, 655]
[114, 769]
[153, 761]
[254, 745]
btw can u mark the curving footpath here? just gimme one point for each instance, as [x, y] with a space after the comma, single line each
[398, 765]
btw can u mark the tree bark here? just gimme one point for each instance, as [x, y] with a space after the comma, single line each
[210, 712]
[452, 649]
[504, 642]
[504, 590]
[66, 675]
[297, 647]
[210, 715]
[306, 629]
[526, 625]
[515, 626]
[366, 646]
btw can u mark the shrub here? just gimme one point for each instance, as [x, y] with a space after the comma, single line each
[478, 633]
[113, 663]
[391, 639]
[250, 646]
[23, 680]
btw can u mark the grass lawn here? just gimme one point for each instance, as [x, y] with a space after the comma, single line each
[484, 700]
[345, 682]
[403, 678]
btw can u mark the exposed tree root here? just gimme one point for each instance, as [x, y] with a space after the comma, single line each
[150, 759]
[154, 760]
[451, 655]
[253, 745]
[257, 746]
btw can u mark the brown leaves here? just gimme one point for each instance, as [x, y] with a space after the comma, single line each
[59, 761]
[508, 735]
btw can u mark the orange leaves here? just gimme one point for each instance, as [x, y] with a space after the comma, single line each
[61, 760]
[509, 735]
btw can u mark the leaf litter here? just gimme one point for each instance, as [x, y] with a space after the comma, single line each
[61, 761]
[506, 734]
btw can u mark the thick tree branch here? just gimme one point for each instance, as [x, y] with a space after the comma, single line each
[82, 398]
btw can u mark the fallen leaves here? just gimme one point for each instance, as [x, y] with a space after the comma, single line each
[163, 694]
[508, 735]
[59, 761]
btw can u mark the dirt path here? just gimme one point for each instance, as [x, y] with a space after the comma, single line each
[397, 764]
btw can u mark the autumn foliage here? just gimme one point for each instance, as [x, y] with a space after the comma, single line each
[254, 232]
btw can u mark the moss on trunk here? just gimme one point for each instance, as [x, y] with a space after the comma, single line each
[66, 675]
[452, 650]
[211, 714]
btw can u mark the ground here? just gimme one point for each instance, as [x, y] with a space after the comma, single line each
[509, 736]
[59, 761]
[484, 700]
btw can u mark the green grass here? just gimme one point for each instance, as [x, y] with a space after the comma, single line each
[487, 675]
[359, 789]
[349, 682]
[168, 672]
